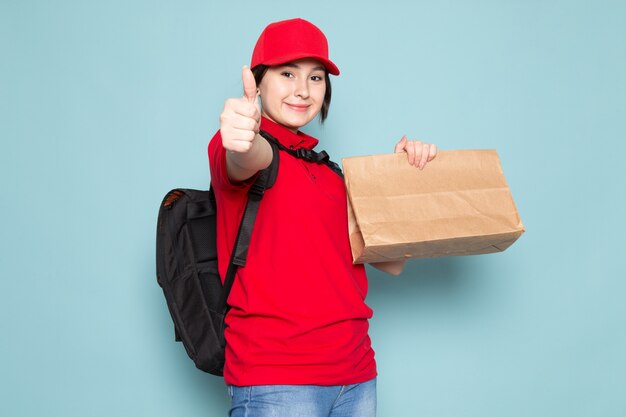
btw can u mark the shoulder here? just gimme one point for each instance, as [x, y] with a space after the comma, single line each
[217, 165]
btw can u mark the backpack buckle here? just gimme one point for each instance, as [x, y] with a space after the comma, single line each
[323, 158]
[302, 153]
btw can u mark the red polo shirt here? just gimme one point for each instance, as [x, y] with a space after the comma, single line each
[298, 311]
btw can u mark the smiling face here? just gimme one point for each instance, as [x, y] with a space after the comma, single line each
[292, 94]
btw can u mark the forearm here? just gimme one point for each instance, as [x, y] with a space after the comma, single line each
[391, 267]
[242, 165]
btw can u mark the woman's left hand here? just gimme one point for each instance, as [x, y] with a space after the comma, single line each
[419, 153]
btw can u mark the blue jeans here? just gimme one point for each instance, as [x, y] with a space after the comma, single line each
[356, 400]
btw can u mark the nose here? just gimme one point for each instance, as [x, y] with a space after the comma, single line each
[301, 88]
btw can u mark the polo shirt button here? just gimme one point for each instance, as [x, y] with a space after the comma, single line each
[290, 146]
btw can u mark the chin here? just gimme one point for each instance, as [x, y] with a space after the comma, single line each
[303, 120]
[295, 122]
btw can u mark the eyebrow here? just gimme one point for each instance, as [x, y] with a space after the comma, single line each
[292, 65]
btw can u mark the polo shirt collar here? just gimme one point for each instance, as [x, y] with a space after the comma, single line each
[286, 137]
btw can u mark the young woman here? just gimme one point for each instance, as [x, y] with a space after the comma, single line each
[297, 331]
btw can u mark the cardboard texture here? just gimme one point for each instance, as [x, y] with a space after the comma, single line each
[459, 204]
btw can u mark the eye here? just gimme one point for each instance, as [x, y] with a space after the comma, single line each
[316, 78]
[286, 74]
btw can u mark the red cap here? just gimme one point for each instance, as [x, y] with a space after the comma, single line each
[289, 40]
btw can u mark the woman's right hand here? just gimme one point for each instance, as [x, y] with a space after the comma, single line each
[247, 152]
[240, 120]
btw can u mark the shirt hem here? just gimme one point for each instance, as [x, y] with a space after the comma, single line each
[302, 381]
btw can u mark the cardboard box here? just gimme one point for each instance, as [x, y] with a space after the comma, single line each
[459, 204]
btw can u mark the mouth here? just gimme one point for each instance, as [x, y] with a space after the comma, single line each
[298, 107]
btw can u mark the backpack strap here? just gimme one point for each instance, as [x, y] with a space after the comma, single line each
[306, 154]
[265, 179]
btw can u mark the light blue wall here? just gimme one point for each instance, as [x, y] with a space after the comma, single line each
[104, 106]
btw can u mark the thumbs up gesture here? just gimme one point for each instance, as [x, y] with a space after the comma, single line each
[240, 120]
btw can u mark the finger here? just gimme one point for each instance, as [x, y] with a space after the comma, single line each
[432, 152]
[243, 123]
[410, 150]
[246, 109]
[257, 126]
[418, 153]
[425, 149]
[241, 107]
[249, 84]
[238, 136]
[400, 145]
[232, 118]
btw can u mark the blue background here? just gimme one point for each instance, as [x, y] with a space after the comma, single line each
[105, 106]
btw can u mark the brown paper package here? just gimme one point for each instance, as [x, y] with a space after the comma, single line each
[459, 204]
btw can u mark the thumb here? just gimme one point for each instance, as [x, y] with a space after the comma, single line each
[400, 145]
[249, 84]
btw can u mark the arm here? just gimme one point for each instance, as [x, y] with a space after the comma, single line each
[392, 267]
[246, 151]
[243, 165]
[418, 154]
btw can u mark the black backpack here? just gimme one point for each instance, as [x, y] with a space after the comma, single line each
[186, 259]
